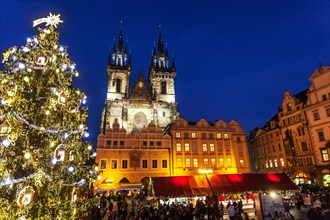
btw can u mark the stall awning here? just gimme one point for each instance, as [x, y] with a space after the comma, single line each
[181, 186]
[250, 182]
[218, 184]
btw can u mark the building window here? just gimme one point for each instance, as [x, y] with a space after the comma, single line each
[177, 135]
[304, 146]
[114, 164]
[221, 162]
[124, 164]
[154, 164]
[185, 135]
[121, 143]
[271, 163]
[211, 135]
[204, 147]
[178, 162]
[218, 135]
[227, 148]
[266, 164]
[193, 135]
[328, 112]
[164, 163]
[188, 162]
[206, 162]
[103, 164]
[144, 164]
[212, 147]
[219, 147]
[324, 97]
[158, 143]
[163, 87]
[203, 135]
[186, 147]
[194, 147]
[195, 162]
[316, 116]
[115, 143]
[151, 143]
[325, 155]
[238, 139]
[279, 147]
[213, 162]
[275, 163]
[241, 163]
[178, 147]
[108, 143]
[118, 85]
[226, 136]
[282, 162]
[228, 162]
[144, 143]
[321, 135]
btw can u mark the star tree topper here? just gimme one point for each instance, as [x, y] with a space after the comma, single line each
[52, 20]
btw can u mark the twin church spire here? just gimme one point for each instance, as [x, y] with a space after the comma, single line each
[120, 57]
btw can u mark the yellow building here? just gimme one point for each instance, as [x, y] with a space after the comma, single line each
[220, 148]
[128, 160]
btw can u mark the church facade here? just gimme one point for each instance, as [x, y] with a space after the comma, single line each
[134, 106]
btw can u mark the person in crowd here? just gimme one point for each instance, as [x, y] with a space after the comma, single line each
[231, 212]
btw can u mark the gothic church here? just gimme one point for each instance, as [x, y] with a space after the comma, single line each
[134, 106]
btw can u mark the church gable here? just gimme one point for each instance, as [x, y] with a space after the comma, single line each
[140, 91]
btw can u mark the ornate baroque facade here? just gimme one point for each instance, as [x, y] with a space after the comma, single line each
[296, 140]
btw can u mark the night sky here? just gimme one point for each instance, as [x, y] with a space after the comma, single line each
[234, 59]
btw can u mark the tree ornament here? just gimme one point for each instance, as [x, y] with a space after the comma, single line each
[62, 98]
[41, 60]
[60, 153]
[25, 196]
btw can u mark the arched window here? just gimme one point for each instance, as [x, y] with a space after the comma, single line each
[163, 87]
[118, 85]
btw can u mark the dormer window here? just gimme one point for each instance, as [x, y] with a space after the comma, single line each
[289, 106]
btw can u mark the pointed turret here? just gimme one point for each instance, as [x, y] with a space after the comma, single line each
[119, 53]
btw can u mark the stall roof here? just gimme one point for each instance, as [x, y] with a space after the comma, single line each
[220, 183]
[181, 186]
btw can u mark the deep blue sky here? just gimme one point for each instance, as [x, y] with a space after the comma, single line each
[234, 59]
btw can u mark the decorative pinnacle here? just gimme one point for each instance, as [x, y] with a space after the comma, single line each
[52, 20]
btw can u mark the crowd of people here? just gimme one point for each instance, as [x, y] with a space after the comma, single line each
[117, 208]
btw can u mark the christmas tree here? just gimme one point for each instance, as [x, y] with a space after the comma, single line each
[46, 165]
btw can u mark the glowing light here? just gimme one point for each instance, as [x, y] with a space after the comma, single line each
[89, 147]
[61, 49]
[77, 74]
[202, 171]
[84, 101]
[5, 142]
[27, 155]
[47, 112]
[71, 169]
[26, 79]
[28, 40]
[21, 65]
[99, 177]
[3, 101]
[72, 67]
[64, 66]
[66, 135]
[86, 134]
[54, 161]
[25, 49]
[81, 126]
[272, 194]
[94, 154]
[96, 168]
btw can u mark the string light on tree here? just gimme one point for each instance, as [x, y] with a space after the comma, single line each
[42, 130]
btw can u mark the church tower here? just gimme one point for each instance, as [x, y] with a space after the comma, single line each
[161, 76]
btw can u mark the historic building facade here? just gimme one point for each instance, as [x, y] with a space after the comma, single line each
[219, 148]
[127, 160]
[301, 140]
[318, 115]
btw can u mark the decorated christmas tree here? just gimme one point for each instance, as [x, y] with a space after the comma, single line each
[46, 166]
